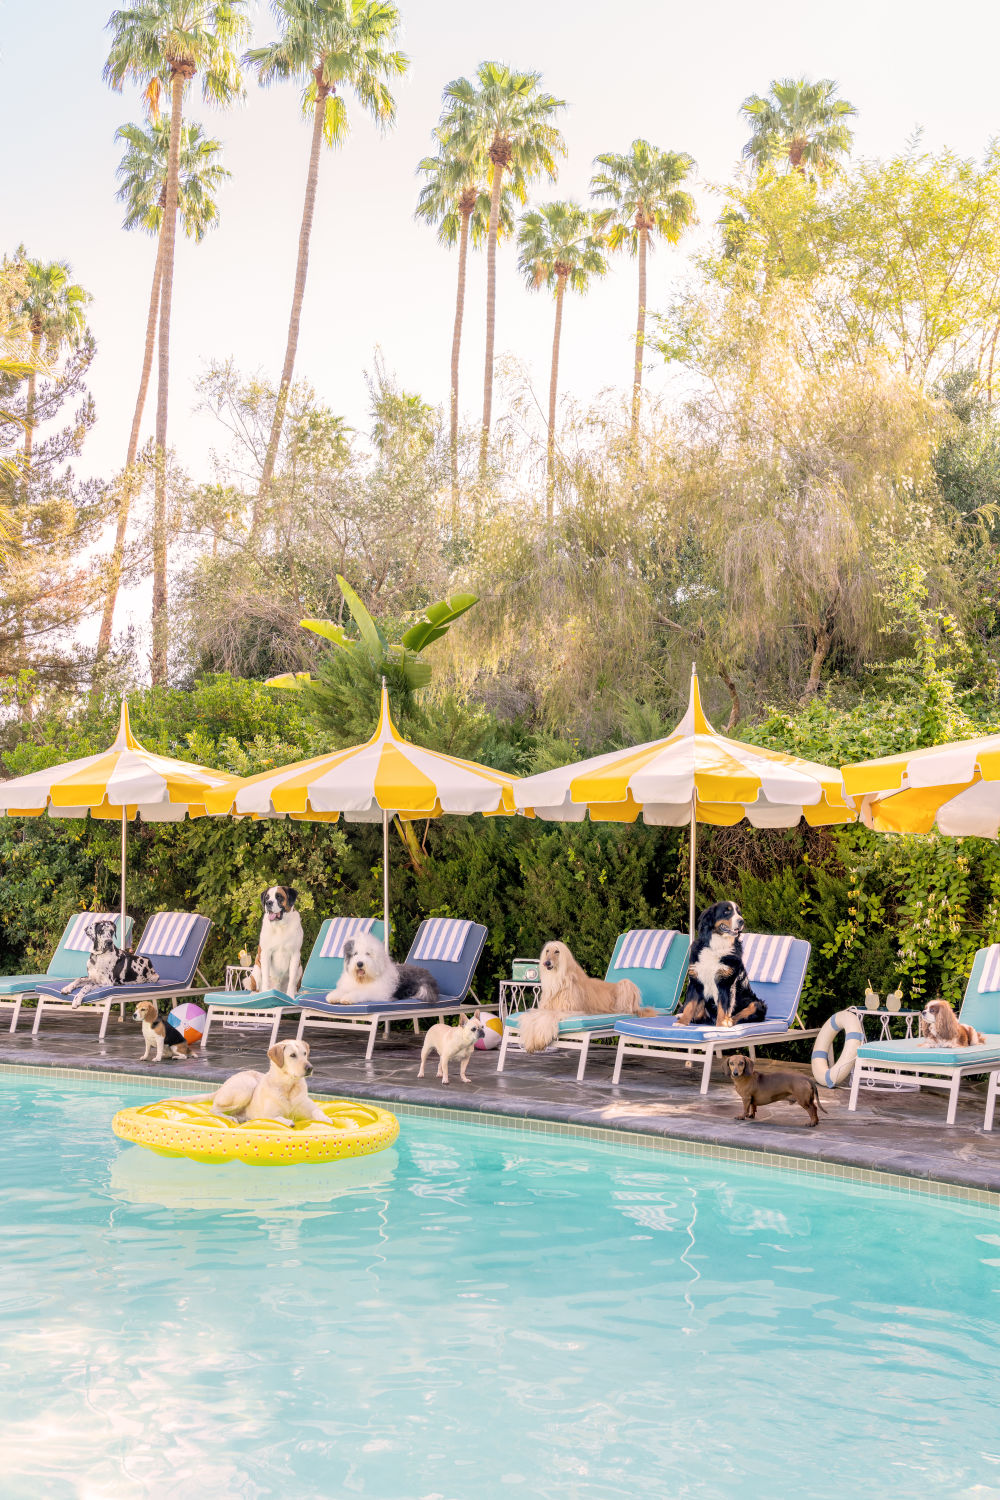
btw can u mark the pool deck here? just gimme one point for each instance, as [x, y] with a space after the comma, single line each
[899, 1134]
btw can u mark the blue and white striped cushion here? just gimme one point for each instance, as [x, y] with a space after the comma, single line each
[77, 940]
[339, 930]
[644, 948]
[441, 938]
[167, 933]
[989, 979]
[764, 957]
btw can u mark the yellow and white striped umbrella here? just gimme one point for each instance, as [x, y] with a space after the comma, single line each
[385, 777]
[121, 782]
[693, 776]
[954, 788]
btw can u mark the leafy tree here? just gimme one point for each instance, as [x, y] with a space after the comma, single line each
[51, 312]
[456, 197]
[157, 44]
[330, 46]
[143, 177]
[800, 124]
[643, 197]
[503, 116]
[558, 247]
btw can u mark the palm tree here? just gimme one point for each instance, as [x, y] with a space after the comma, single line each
[456, 197]
[558, 247]
[328, 46]
[504, 117]
[644, 197]
[159, 43]
[801, 123]
[50, 310]
[143, 177]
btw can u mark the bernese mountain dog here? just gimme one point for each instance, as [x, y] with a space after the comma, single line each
[718, 992]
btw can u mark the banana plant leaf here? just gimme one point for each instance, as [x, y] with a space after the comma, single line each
[330, 631]
[294, 680]
[436, 620]
[372, 636]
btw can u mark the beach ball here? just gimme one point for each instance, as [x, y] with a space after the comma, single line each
[189, 1020]
[492, 1032]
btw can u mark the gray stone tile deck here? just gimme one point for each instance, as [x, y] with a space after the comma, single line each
[900, 1134]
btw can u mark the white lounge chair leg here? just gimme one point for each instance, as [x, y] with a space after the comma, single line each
[302, 1026]
[956, 1084]
[274, 1028]
[706, 1072]
[17, 1012]
[852, 1103]
[582, 1067]
[619, 1058]
[753, 1053]
[208, 1024]
[38, 1017]
[106, 1017]
[991, 1101]
[503, 1051]
[372, 1034]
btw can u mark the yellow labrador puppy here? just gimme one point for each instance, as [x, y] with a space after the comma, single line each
[280, 1094]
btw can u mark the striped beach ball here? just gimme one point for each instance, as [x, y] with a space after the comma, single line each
[189, 1020]
[492, 1032]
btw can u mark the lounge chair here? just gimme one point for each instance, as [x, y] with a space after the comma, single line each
[174, 940]
[945, 1067]
[655, 959]
[323, 968]
[69, 961]
[449, 948]
[776, 967]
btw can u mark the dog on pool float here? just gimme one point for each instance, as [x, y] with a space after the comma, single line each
[940, 1027]
[568, 991]
[768, 1087]
[109, 965]
[370, 974]
[718, 991]
[159, 1035]
[280, 1094]
[452, 1044]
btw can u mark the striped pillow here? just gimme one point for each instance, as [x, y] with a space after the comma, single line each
[441, 939]
[166, 934]
[339, 930]
[764, 957]
[76, 940]
[644, 948]
[989, 979]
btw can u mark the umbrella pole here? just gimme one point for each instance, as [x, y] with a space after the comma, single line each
[124, 825]
[694, 825]
[385, 875]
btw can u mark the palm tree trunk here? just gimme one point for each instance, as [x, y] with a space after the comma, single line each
[128, 478]
[640, 335]
[550, 456]
[160, 620]
[301, 268]
[29, 409]
[491, 301]
[456, 344]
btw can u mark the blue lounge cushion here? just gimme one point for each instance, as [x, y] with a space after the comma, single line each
[261, 999]
[321, 1007]
[21, 984]
[909, 1051]
[666, 1029]
[604, 1021]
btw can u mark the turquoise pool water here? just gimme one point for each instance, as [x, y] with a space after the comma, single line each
[475, 1314]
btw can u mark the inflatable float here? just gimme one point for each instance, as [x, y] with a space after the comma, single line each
[828, 1071]
[187, 1127]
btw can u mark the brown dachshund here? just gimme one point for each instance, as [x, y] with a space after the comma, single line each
[767, 1088]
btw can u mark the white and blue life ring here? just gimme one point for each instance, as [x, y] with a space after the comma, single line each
[826, 1070]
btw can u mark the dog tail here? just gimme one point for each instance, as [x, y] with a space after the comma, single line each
[628, 999]
[818, 1101]
[538, 1029]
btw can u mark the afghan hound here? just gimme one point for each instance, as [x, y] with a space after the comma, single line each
[568, 991]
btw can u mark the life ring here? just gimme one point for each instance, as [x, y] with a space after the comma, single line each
[831, 1074]
[186, 1127]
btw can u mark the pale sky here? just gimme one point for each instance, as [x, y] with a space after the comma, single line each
[675, 74]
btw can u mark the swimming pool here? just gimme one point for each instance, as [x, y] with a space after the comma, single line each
[478, 1313]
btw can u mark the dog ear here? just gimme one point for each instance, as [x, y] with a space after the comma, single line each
[348, 949]
[291, 895]
[88, 931]
[277, 1054]
[263, 896]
